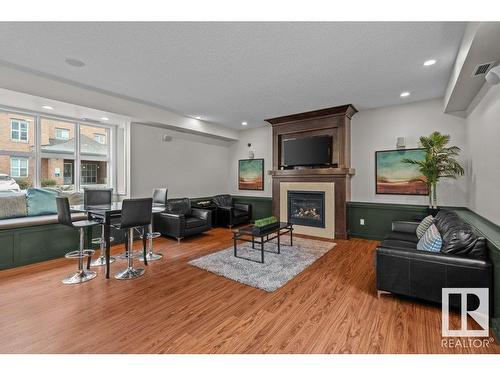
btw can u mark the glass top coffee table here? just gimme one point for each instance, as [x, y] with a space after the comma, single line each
[248, 234]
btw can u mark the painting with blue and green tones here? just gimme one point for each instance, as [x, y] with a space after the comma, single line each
[395, 177]
[251, 174]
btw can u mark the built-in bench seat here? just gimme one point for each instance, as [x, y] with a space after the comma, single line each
[31, 221]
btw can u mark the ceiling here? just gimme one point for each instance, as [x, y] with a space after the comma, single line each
[233, 72]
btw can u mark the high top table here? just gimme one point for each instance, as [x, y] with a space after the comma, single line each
[106, 213]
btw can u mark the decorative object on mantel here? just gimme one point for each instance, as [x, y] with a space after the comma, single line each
[393, 176]
[439, 162]
[278, 269]
[251, 174]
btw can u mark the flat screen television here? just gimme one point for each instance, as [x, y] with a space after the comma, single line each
[308, 151]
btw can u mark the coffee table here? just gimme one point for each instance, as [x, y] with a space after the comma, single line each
[246, 234]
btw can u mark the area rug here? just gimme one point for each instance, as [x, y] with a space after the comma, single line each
[277, 270]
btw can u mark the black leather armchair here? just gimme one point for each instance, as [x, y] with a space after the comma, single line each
[229, 213]
[461, 263]
[180, 220]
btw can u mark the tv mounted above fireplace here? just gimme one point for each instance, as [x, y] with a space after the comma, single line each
[307, 151]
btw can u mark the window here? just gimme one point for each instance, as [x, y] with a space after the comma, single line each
[19, 130]
[101, 138]
[19, 167]
[89, 173]
[62, 134]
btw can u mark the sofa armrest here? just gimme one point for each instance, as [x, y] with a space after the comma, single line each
[170, 224]
[243, 206]
[202, 214]
[405, 226]
[438, 257]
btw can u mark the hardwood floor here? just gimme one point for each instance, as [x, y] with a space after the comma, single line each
[331, 307]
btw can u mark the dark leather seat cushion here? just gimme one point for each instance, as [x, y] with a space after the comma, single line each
[194, 222]
[398, 244]
[402, 236]
[239, 213]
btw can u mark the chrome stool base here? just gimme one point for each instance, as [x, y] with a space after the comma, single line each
[80, 277]
[101, 261]
[129, 273]
[150, 256]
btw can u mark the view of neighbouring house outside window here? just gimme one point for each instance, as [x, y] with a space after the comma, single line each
[57, 146]
[17, 151]
[94, 154]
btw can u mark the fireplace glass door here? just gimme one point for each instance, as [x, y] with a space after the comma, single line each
[306, 208]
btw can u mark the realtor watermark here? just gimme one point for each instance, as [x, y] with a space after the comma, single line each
[463, 336]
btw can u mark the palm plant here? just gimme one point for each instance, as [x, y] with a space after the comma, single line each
[440, 162]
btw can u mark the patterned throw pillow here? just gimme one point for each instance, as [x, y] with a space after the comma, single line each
[424, 225]
[431, 240]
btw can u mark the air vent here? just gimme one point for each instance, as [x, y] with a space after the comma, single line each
[482, 69]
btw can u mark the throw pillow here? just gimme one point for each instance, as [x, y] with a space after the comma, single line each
[424, 225]
[41, 202]
[431, 240]
[12, 205]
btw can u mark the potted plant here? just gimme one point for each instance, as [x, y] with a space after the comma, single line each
[440, 162]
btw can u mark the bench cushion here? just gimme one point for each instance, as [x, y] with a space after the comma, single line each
[31, 221]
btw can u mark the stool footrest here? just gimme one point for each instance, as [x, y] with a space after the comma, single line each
[98, 240]
[76, 254]
[152, 235]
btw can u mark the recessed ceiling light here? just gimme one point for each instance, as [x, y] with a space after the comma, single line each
[104, 118]
[47, 107]
[244, 123]
[197, 117]
[429, 62]
[404, 94]
[75, 62]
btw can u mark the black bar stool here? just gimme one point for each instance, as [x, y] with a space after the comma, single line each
[64, 217]
[95, 197]
[159, 203]
[136, 213]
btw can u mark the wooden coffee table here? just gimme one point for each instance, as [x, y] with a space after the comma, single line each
[246, 234]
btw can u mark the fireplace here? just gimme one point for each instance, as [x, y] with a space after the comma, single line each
[306, 208]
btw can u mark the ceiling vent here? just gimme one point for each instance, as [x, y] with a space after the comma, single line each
[482, 69]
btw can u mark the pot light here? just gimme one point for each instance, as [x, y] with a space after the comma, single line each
[404, 94]
[429, 62]
[47, 107]
[244, 123]
[197, 117]
[104, 118]
[75, 62]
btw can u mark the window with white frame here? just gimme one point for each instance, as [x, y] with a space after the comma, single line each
[89, 173]
[62, 134]
[18, 167]
[19, 130]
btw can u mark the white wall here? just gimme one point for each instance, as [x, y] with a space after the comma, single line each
[189, 165]
[262, 145]
[377, 129]
[483, 138]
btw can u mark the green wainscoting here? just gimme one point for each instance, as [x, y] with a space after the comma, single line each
[378, 217]
[261, 206]
[22, 246]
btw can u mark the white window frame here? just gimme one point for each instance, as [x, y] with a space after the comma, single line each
[67, 131]
[18, 167]
[19, 122]
[38, 154]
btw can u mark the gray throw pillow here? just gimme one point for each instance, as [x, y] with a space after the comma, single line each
[424, 225]
[12, 205]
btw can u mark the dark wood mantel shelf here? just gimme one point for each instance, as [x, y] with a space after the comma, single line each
[313, 172]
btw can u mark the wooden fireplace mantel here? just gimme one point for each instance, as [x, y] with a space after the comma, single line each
[334, 122]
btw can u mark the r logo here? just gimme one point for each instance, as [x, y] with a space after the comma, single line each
[480, 314]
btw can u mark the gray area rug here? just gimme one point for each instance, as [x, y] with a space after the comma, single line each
[277, 270]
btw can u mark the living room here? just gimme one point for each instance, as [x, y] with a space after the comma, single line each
[213, 189]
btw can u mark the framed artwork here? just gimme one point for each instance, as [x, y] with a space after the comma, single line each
[395, 177]
[251, 174]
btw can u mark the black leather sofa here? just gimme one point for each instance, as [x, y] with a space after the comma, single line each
[229, 213]
[179, 220]
[461, 263]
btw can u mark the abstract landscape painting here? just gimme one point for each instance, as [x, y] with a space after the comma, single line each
[251, 174]
[395, 177]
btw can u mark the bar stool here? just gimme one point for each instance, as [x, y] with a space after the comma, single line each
[64, 218]
[136, 213]
[159, 205]
[95, 197]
